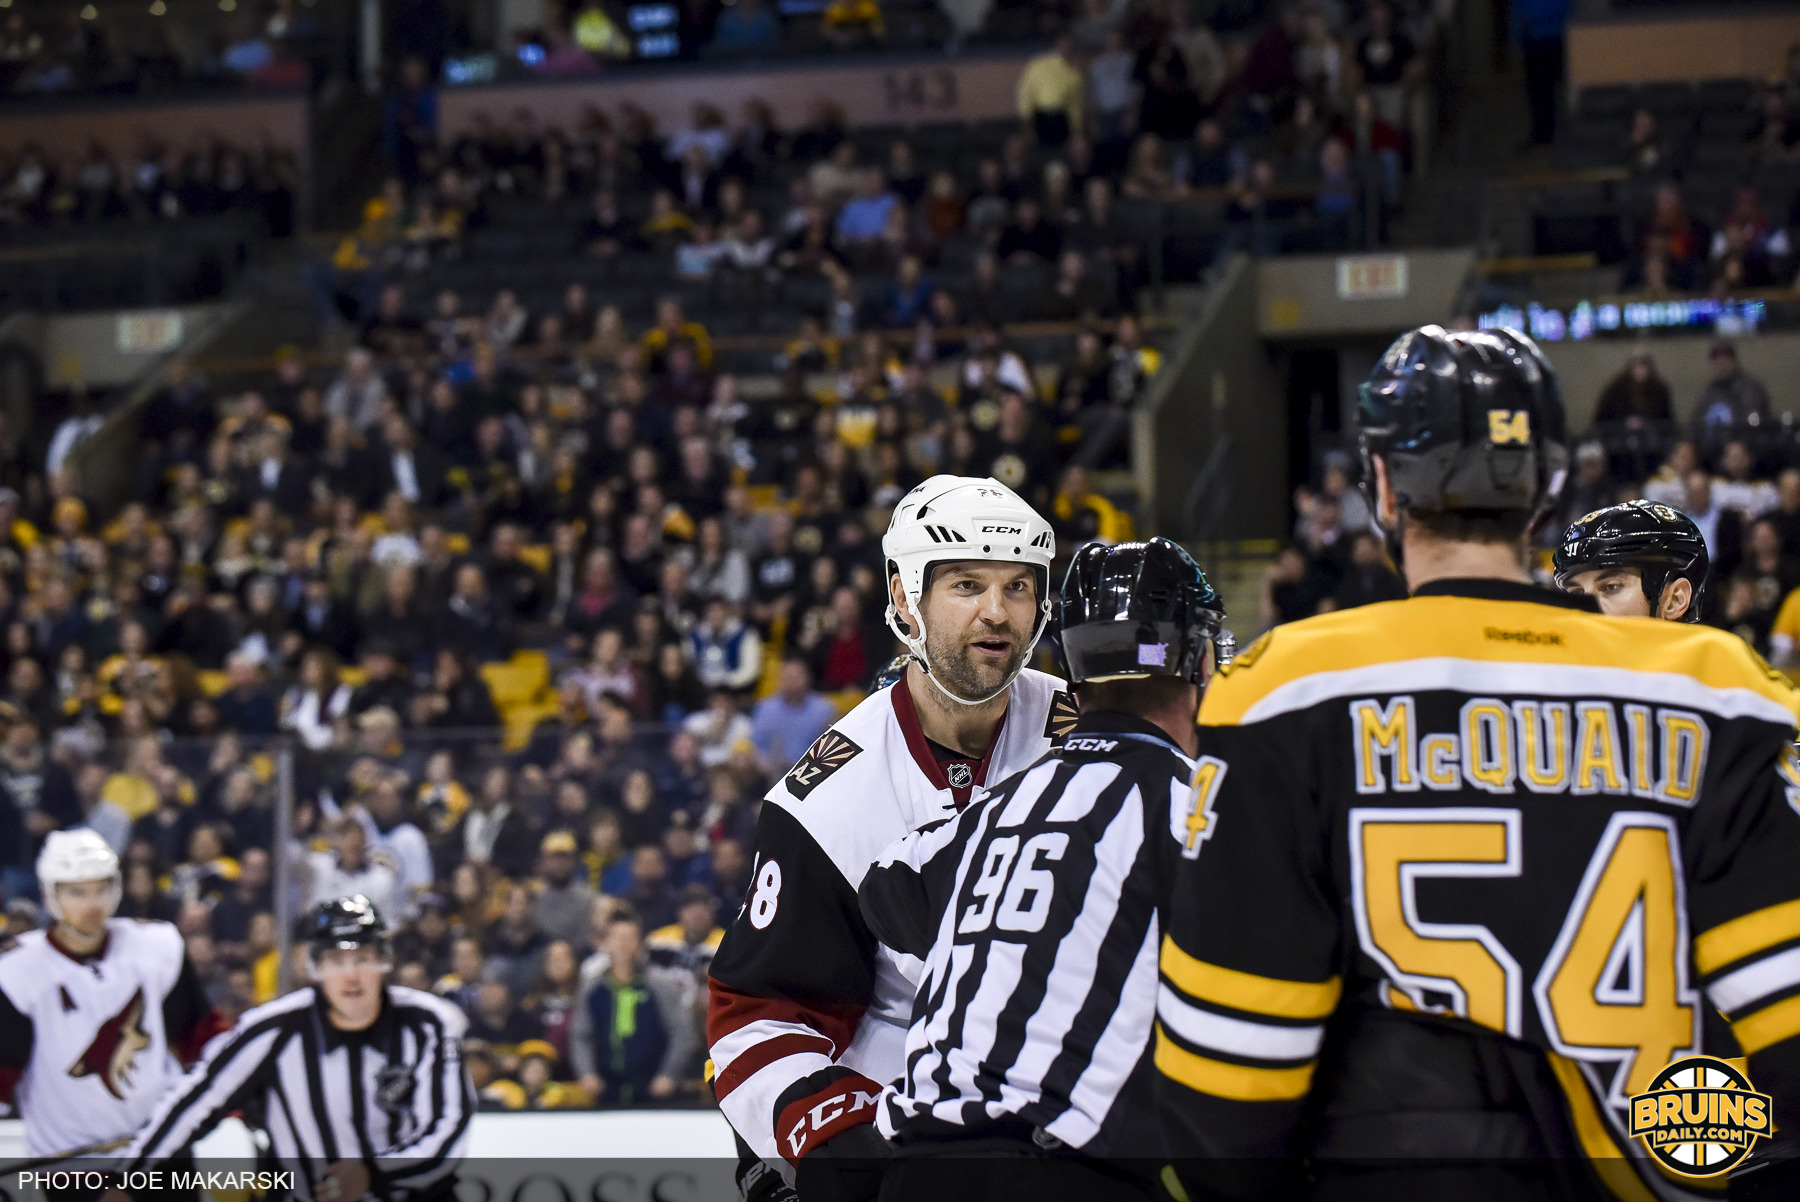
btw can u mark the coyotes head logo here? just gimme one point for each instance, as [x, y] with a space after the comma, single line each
[113, 1055]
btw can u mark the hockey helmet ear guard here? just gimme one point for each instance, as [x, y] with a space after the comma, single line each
[1661, 542]
[77, 855]
[1464, 421]
[1136, 610]
[952, 519]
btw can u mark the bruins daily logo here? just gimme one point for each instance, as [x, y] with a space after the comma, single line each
[1700, 1118]
[829, 752]
[1061, 719]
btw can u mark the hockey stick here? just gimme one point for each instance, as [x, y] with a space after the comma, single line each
[44, 1162]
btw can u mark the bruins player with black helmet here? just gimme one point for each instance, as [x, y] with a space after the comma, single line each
[1638, 559]
[1471, 858]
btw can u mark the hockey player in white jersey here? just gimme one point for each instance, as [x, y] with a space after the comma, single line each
[97, 1012]
[808, 1014]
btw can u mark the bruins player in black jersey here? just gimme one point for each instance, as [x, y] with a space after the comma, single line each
[1639, 559]
[1471, 859]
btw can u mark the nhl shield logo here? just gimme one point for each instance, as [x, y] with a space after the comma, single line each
[961, 776]
[829, 752]
[394, 1088]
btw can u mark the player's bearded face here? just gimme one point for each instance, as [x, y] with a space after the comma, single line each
[978, 623]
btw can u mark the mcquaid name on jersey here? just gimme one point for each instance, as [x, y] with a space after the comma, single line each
[1544, 746]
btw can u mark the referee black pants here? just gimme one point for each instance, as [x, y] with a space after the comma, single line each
[952, 1172]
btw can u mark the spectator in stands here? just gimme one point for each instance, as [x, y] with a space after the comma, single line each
[604, 232]
[393, 834]
[1732, 400]
[347, 868]
[1668, 485]
[1722, 528]
[1028, 239]
[628, 1064]
[1637, 398]
[726, 651]
[865, 215]
[247, 705]
[787, 722]
[688, 943]
[471, 622]
[1287, 592]
[1112, 92]
[492, 831]
[1590, 487]
[1370, 576]
[1761, 583]
[1648, 154]
[1388, 64]
[564, 901]
[1737, 485]
[1169, 106]
[1052, 94]
[1786, 514]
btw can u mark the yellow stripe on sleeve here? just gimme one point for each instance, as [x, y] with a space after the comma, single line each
[1731, 941]
[1769, 1026]
[1247, 991]
[1609, 1160]
[1238, 1082]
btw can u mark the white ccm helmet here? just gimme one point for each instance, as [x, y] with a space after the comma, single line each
[956, 518]
[77, 855]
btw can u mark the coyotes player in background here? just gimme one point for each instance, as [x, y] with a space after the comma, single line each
[94, 1011]
[808, 1014]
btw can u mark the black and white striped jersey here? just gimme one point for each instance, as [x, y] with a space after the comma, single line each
[1035, 911]
[394, 1096]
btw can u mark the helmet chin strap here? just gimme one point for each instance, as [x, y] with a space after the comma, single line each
[916, 645]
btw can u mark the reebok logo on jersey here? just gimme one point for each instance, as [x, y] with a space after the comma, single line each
[113, 1055]
[829, 752]
[1061, 719]
[1533, 638]
[68, 1003]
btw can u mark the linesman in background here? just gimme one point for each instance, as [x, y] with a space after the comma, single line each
[1027, 1061]
[359, 1084]
[1475, 862]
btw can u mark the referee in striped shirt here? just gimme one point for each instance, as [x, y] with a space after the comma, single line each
[1035, 913]
[358, 1083]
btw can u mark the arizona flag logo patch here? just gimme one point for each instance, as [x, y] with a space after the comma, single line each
[829, 752]
[1061, 719]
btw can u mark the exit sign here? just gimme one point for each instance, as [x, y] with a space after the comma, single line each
[1371, 277]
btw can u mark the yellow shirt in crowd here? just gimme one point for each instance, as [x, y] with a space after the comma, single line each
[1050, 83]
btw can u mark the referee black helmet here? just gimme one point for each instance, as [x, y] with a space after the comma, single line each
[1660, 541]
[1137, 610]
[346, 922]
[1467, 421]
